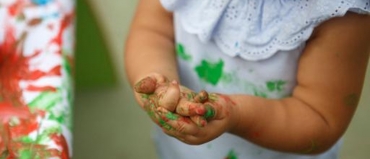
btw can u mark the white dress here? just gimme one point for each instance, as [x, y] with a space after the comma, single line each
[244, 46]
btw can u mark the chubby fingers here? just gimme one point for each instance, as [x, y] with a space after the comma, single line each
[193, 110]
[188, 108]
[201, 97]
[180, 125]
[170, 98]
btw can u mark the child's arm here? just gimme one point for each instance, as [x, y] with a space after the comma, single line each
[150, 54]
[150, 44]
[330, 77]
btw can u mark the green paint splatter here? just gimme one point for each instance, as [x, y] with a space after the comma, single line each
[231, 155]
[210, 72]
[351, 100]
[210, 113]
[144, 96]
[275, 85]
[227, 78]
[25, 154]
[26, 139]
[45, 135]
[46, 100]
[259, 93]
[171, 116]
[59, 118]
[180, 51]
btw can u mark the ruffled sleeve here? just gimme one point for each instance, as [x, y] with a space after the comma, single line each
[257, 29]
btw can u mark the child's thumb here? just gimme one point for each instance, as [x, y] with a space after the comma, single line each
[146, 85]
[171, 97]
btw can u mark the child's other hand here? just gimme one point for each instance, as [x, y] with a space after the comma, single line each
[221, 114]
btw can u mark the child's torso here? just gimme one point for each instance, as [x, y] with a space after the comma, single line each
[204, 66]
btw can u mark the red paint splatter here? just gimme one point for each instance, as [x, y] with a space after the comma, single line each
[34, 75]
[16, 8]
[43, 88]
[66, 21]
[60, 140]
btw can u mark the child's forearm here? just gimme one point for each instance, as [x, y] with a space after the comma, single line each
[149, 47]
[284, 125]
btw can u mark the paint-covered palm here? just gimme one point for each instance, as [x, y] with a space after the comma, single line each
[191, 117]
[221, 114]
[156, 91]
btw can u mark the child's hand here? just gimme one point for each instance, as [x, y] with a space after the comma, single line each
[221, 114]
[156, 91]
[159, 86]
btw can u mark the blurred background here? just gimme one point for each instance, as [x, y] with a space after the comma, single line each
[108, 124]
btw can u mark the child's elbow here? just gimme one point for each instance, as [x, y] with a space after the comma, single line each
[321, 146]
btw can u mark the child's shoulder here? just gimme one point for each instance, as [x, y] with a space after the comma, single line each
[257, 29]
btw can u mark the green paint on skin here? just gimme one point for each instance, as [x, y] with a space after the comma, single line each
[213, 97]
[164, 124]
[151, 114]
[210, 113]
[210, 72]
[190, 96]
[180, 51]
[145, 96]
[231, 155]
[351, 100]
[312, 148]
[171, 116]
[275, 85]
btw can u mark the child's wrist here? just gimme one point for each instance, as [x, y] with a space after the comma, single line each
[238, 124]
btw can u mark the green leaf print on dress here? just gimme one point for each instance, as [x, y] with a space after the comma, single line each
[180, 51]
[275, 85]
[210, 72]
[231, 155]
